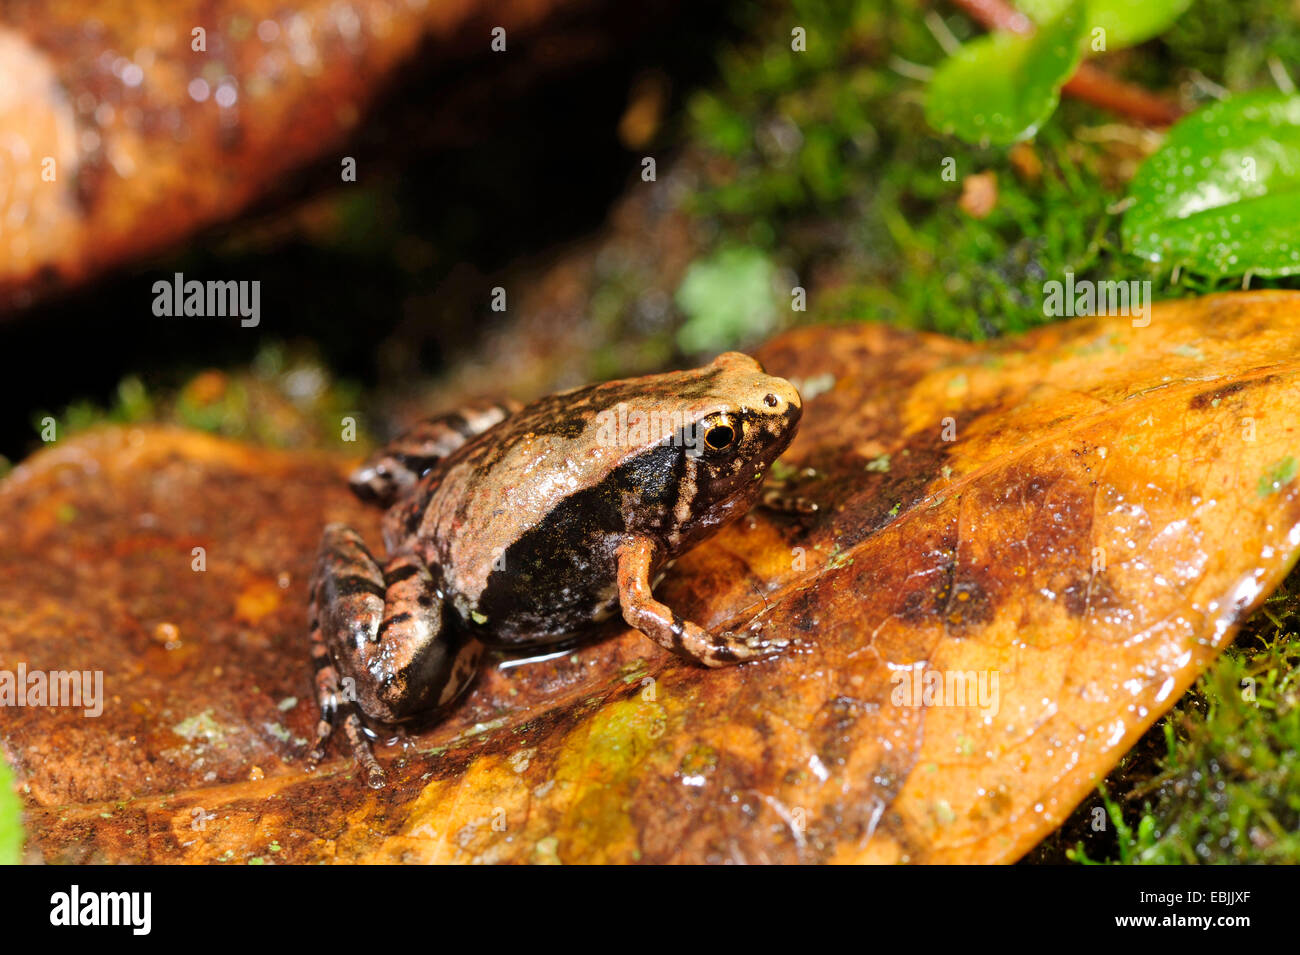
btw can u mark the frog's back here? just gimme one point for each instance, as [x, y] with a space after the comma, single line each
[525, 521]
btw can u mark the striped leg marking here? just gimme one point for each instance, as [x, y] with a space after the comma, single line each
[383, 634]
[347, 600]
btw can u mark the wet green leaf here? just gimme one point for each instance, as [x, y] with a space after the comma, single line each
[1222, 196]
[1000, 88]
[1126, 22]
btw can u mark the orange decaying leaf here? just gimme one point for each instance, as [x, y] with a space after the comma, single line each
[1086, 512]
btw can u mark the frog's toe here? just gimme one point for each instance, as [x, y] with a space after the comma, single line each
[760, 644]
[356, 734]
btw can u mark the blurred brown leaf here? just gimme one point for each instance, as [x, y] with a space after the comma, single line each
[1114, 502]
[119, 138]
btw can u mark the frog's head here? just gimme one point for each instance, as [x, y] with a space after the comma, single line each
[744, 419]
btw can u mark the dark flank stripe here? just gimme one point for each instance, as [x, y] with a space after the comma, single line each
[458, 423]
[371, 491]
[350, 585]
[725, 654]
[673, 493]
[415, 513]
[394, 620]
[405, 572]
[417, 463]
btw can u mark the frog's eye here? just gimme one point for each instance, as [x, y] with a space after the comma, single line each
[721, 434]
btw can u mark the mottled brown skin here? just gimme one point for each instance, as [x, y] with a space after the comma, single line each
[513, 527]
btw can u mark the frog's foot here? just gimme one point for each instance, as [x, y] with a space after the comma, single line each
[776, 499]
[783, 494]
[396, 467]
[383, 636]
[660, 624]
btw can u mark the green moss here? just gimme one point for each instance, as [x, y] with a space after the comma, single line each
[823, 160]
[283, 398]
[131, 403]
[1229, 43]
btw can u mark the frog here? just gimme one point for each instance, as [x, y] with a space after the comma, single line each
[509, 527]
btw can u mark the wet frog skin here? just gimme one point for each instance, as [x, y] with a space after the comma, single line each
[512, 527]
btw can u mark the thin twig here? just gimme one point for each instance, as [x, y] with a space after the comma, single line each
[1089, 83]
[1094, 85]
[1207, 86]
[913, 71]
[939, 30]
[1280, 76]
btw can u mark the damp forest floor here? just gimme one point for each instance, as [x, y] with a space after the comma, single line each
[814, 170]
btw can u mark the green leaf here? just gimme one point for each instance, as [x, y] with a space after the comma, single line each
[1126, 22]
[11, 819]
[728, 299]
[1222, 195]
[1000, 88]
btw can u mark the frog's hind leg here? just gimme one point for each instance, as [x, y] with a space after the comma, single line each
[666, 628]
[396, 467]
[342, 586]
[384, 634]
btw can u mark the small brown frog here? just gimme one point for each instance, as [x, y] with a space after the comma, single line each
[514, 527]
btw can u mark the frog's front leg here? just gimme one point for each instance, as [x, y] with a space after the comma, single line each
[389, 632]
[664, 627]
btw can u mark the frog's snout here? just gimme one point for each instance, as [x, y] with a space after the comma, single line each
[783, 398]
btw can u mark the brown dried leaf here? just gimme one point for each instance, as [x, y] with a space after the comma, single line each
[151, 139]
[1115, 501]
